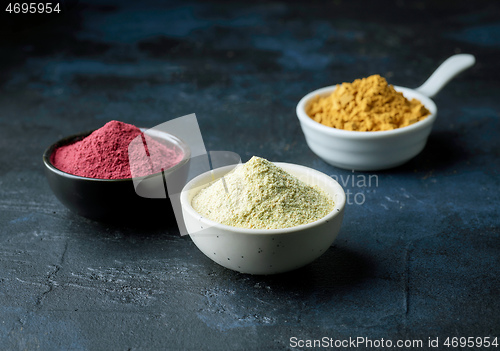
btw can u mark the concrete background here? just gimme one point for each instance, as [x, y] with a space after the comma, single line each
[418, 259]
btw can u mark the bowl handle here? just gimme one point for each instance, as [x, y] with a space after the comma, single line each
[444, 73]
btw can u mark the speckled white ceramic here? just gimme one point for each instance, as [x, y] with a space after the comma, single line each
[369, 151]
[264, 251]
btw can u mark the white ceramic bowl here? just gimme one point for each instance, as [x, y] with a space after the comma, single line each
[366, 151]
[264, 251]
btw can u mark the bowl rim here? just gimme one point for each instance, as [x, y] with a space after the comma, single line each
[79, 136]
[365, 135]
[338, 209]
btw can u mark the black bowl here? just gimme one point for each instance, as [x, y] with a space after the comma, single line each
[117, 200]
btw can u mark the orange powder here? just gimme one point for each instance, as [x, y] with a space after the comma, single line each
[368, 104]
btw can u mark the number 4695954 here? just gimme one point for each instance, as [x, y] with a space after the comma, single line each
[33, 7]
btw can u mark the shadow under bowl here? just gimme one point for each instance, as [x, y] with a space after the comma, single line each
[264, 251]
[117, 200]
[366, 151]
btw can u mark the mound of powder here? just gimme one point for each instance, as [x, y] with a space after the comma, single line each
[260, 195]
[104, 154]
[368, 104]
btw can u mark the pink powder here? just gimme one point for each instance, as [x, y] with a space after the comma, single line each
[104, 154]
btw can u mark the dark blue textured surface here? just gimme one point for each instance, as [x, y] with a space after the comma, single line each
[418, 258]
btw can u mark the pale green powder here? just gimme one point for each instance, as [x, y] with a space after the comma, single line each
[260, 195]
